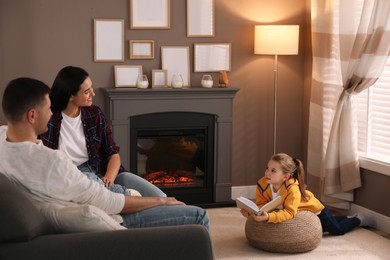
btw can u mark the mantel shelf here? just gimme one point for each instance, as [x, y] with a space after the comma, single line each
[193, 92]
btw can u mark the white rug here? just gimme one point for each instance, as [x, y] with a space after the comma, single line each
[229, 241]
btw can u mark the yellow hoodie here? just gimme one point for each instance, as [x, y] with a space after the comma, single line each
[291, 199]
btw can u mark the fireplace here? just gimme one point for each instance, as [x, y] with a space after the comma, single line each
[175, 151]
[144, 122]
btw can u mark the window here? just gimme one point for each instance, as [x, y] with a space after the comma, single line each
[373, 110]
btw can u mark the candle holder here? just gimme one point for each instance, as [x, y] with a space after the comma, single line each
[142, 81]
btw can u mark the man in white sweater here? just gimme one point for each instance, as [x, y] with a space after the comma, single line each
[48, 175]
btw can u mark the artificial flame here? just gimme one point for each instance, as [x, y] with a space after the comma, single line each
[163, 177]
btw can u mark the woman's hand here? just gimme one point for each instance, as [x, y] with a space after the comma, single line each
[108, 181]
[257, 218]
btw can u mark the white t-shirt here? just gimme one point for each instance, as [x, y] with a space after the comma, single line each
[49, 175]
[72, 139]
[275, 194]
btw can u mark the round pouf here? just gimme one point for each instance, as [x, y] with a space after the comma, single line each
[300, 234]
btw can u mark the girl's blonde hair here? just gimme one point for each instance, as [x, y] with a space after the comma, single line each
[295, 168]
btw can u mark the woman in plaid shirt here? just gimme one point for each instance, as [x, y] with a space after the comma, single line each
[80, 129]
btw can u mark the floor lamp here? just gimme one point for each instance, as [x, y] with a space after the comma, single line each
[276, 40]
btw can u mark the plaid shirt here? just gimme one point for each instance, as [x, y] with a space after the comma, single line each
[98, 137]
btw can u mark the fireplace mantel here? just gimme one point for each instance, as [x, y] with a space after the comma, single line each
[123, 103]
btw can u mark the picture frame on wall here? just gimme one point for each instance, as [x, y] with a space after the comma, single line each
[159, 78]
[150, 14]
[126, 75]
[176, 60]
[108, 40]
[212, 57]
[200, 18]
[141, 49]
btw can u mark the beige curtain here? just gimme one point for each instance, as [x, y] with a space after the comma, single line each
[351, 42]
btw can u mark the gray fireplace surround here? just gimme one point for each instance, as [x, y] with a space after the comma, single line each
[123, 103]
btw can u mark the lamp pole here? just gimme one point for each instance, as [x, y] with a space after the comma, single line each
[275, 99]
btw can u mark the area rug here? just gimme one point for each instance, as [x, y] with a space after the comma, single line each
[229, 241]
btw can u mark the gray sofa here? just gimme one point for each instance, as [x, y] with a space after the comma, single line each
[26, 234]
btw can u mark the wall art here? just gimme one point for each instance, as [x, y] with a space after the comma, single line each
[108, 40]
[150, 14]
[126, 75]
[141, 49]
[200, 18]
[176, 60]
[210, 57]
[159, 79]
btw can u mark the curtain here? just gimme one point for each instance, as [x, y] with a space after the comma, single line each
[351, 43]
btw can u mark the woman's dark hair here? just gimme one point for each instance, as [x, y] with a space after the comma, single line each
[295, 168]
[66, 84]
[22, 94]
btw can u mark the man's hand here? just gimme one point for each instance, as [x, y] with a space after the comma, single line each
[136, 204]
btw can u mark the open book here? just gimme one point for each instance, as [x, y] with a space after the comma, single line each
[250, 206]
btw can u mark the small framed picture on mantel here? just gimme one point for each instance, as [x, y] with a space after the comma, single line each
[126, 75]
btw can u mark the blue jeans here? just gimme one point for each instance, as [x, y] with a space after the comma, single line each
[89, 172]
[167, 216]
[337, 225]
[133, 181]
[125, 180]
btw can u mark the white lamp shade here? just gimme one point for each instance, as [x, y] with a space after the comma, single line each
[276, 39]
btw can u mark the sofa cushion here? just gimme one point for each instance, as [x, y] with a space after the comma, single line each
[77, 218]
[19, 219]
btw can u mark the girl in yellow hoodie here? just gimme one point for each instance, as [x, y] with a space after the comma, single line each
[284, 176]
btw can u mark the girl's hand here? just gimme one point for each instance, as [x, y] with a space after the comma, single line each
[245, 213]
[262, 217]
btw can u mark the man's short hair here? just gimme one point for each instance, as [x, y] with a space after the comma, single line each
[22, 94]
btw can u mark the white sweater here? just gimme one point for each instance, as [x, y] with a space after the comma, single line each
[49, 175]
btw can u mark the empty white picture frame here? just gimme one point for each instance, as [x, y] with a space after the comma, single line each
[108, 40]
[126, 75]
[150, 14]
[159, 79]
[141, 49]
[209, 57]
[176, 60]
[200, 18]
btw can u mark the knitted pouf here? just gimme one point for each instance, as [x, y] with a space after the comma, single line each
[300, 234]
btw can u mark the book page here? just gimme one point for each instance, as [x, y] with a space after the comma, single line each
[250, 206]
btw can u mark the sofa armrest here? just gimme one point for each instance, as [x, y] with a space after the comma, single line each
[177, 242]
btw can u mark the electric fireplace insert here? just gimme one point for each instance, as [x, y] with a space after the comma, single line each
[175, 152]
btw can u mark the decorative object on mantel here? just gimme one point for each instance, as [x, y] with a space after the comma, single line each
[177, 81]
[150, 14]
[223, 79]
[200, 18]
[126, 75]
[207, 81]
[212, 57]
[141, 49]
[142, 81]
[276, 40]
[159, 79]
[108, 36]
[176, 60]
